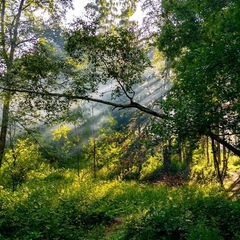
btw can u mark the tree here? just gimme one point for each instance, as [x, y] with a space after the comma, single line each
[22, 24]
[22, 157]
[202, 100]
[111, 12]
[123, 61]
[201, 39]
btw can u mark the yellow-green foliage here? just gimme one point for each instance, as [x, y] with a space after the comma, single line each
[158, 60]
[61, 132]
[109, 151]
[203, 170]
[19, 161]
[61, 136]
[24, 152]
[152, 163]
[64, 206]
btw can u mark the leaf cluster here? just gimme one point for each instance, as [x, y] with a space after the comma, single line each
[112, 55]
[201, 41]
[189, 217]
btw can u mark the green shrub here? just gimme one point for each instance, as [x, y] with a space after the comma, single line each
[236, 161]
[19, 162]
[62, 206]
[192, 217]
[42, 215]
[202, 231]
[176, 169]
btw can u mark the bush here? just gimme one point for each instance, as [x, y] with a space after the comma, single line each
[62, 206]
[202, 231]
[43, 215]
[18, 163]
[207, 218]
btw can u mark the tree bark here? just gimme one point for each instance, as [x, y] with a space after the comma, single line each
[4, 126]
[207, 151]
[167, 157]
[216, 162]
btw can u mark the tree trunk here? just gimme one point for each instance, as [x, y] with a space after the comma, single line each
[188, 159]
[224, 153]
[180, 153]
[216, 163]
[4, 126]
[8, 58]
[94, 159]
[207, 151]
[218, 150]
[166, 159]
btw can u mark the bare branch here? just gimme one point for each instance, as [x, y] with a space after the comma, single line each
[124, 90]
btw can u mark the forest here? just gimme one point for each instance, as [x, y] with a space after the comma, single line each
[118, 129]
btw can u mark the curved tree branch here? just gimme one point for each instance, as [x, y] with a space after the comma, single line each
[132, 104]
[125, 91]
[224, 143]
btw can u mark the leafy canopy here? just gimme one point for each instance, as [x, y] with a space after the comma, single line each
[201, 39]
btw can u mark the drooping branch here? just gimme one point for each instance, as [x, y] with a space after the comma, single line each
[132, 104]
[224, 143]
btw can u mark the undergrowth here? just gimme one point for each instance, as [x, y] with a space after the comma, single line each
[53, 203]
[61, 205]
